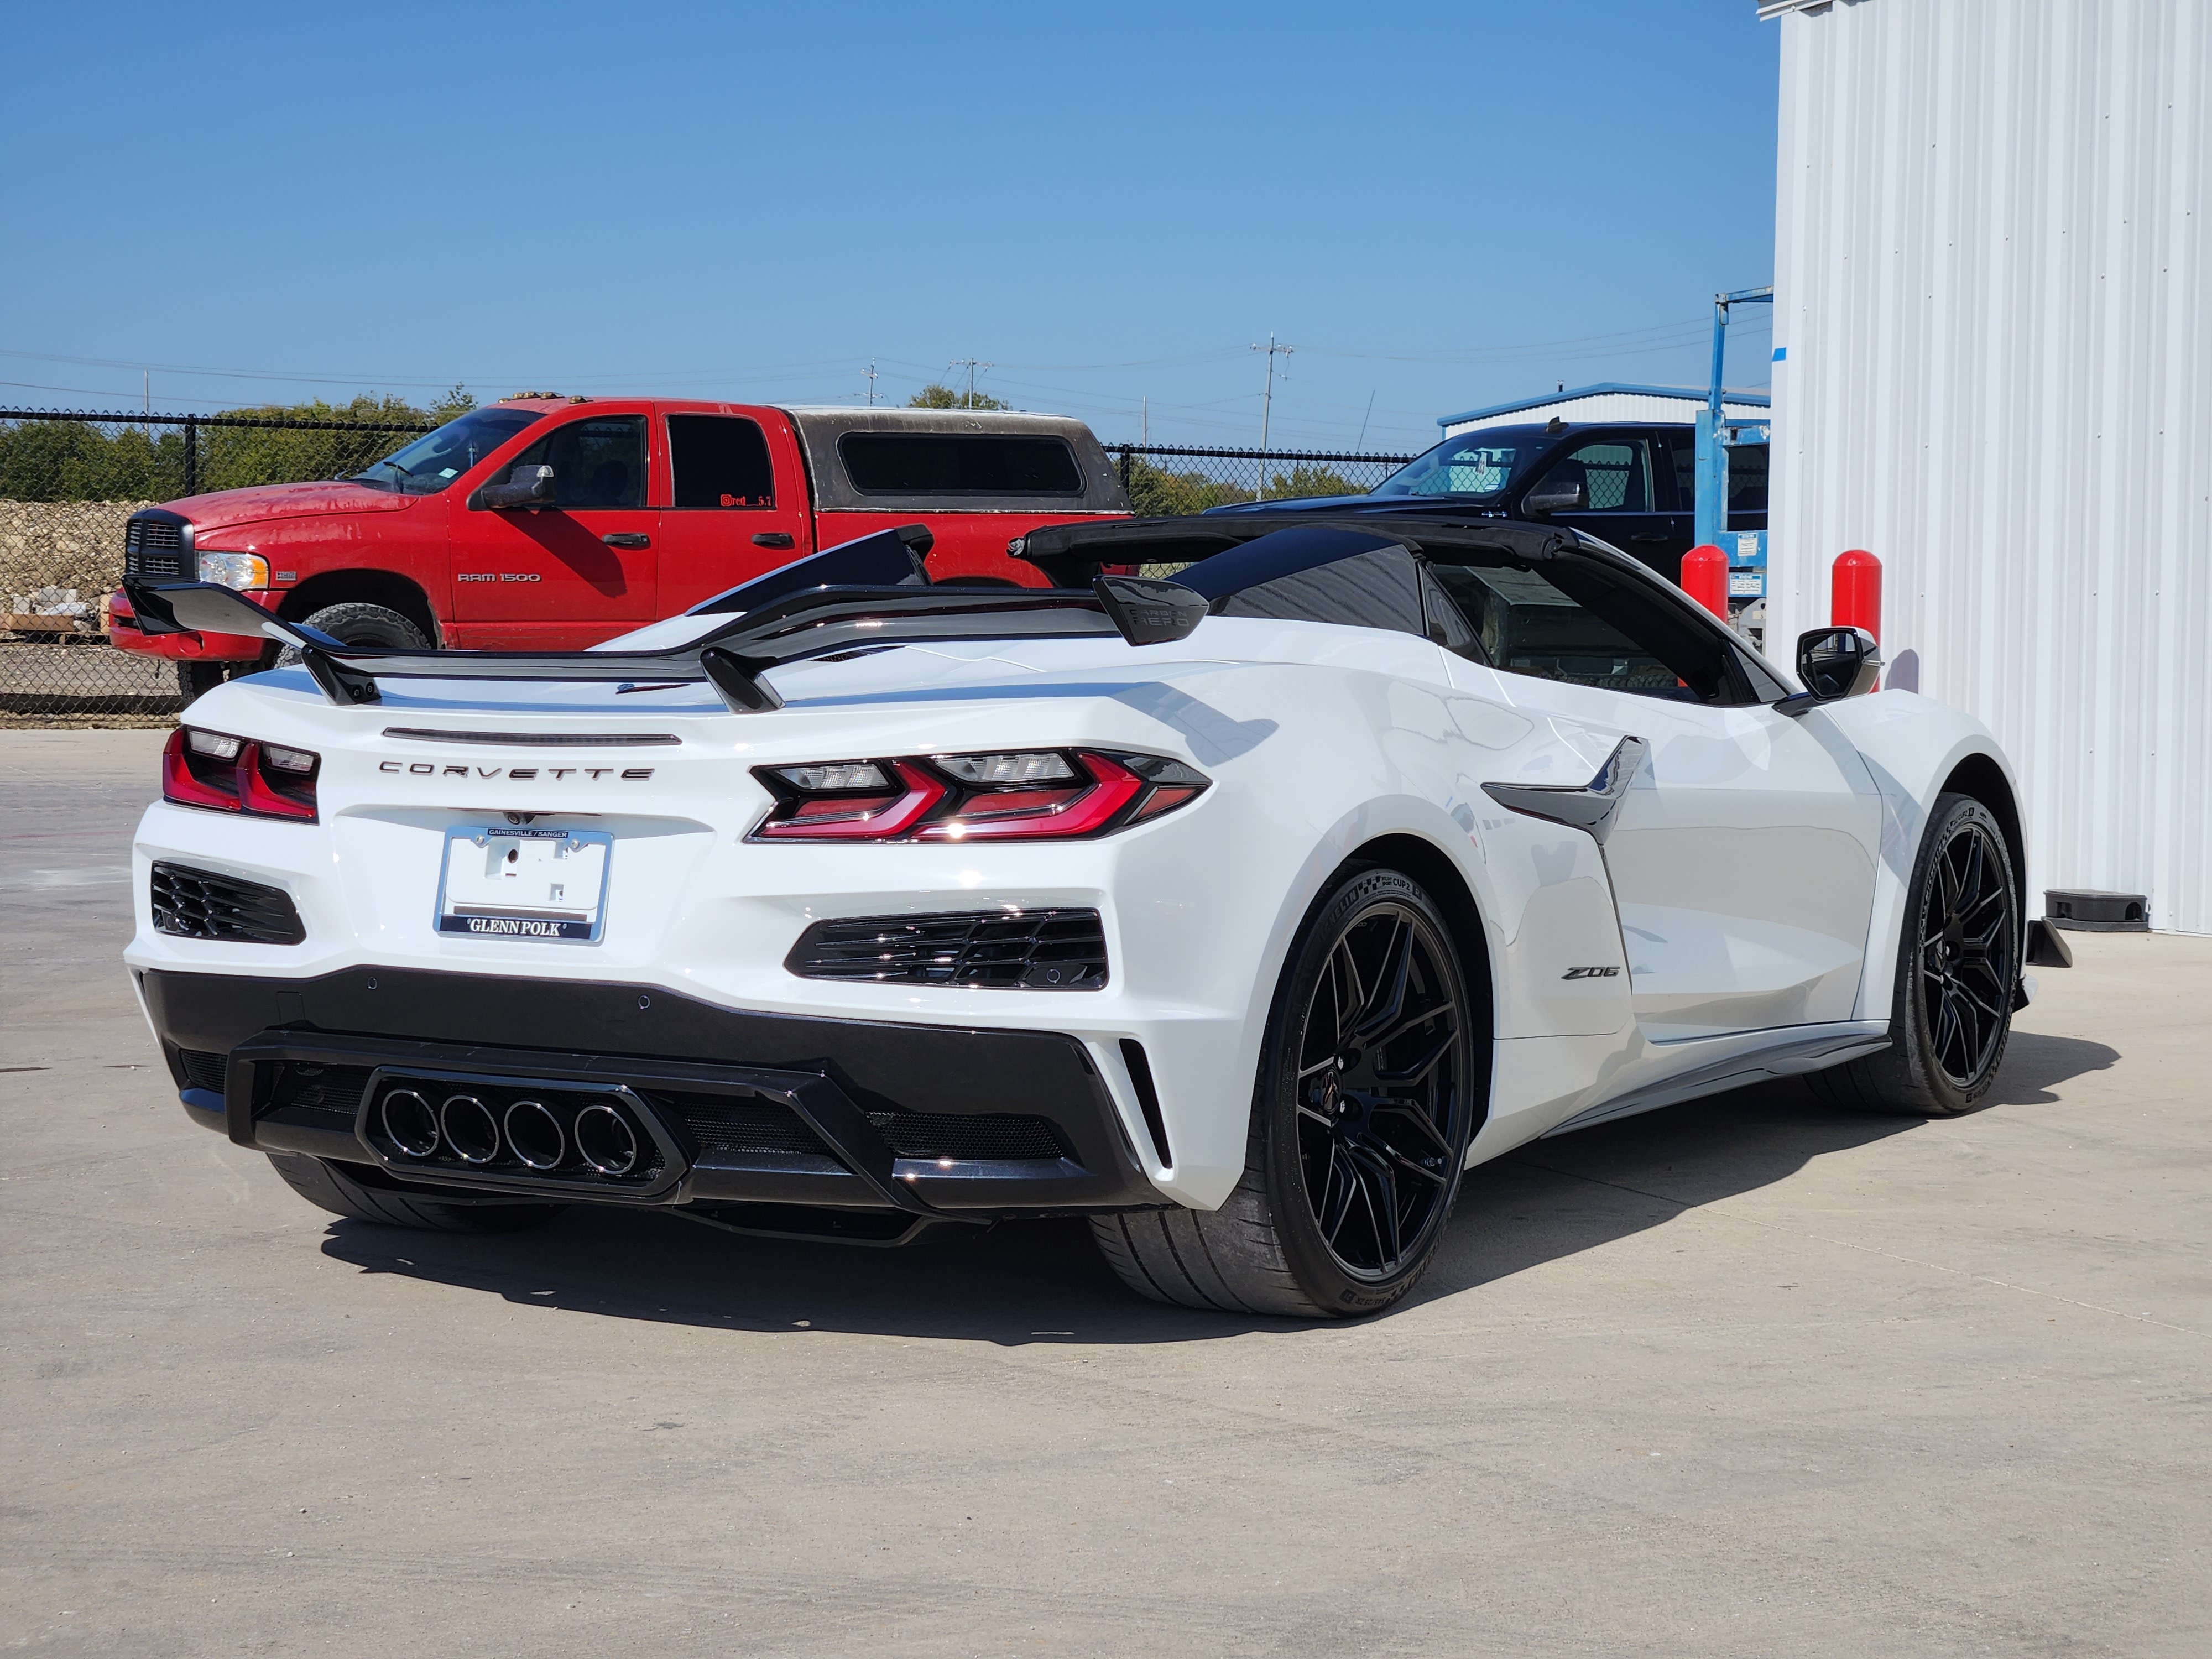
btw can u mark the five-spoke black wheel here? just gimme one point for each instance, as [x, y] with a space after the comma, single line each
[1958, 969]
[1373, 1074]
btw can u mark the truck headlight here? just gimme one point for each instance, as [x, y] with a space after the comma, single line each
[239, 570]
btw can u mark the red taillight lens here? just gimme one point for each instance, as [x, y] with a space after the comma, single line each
[235, 775]
[844, 816]
[276, 791]
[1024, 795]
[1027, 814]
[193, 779]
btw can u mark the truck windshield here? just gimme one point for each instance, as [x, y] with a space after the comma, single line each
[1474, 464]
[436, 458]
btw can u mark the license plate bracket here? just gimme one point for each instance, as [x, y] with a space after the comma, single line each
[497, 881]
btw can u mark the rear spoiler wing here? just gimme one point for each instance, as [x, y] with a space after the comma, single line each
[791, 628]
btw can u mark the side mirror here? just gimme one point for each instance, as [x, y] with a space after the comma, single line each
[1554, 498]
[1837, 662]
[526, 486]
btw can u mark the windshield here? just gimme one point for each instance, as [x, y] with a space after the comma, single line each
[436, 458]
[1481, 463]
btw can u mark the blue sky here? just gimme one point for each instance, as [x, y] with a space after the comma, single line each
[1440, 206]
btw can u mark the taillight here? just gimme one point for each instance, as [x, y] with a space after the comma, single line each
[1033, 795]
[226, 773]
[876, 803]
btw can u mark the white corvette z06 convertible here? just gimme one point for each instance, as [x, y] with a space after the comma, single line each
[1240, 905]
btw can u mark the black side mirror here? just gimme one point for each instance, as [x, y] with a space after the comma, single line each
[526, 486]
[1554, 498]
[1837, 662]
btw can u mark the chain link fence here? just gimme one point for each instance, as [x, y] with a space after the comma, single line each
[1164, 479]
[69, 482]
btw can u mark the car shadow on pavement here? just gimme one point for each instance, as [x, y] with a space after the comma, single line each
[1042, 1281]
[2035, 1063]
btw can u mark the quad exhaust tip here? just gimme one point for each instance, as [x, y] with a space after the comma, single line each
[469, 1128]
[411, 1124]
[535, 1135]
[605, 1141]
[601, 1137]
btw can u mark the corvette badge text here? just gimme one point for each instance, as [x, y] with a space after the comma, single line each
[519, 773]
[1590, 973]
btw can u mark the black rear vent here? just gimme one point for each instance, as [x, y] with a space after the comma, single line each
[315, 1096]
[726, 1124]
[202, 1069]
[736, 1123]
[991, 1137]
[1028, 949]
[201, 904]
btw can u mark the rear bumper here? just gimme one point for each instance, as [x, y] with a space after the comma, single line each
[842, 1114]
[123, 632]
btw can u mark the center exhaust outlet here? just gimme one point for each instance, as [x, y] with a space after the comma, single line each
[605, 1141]
[411, 1124]
[470, 1129]
[535, 1134]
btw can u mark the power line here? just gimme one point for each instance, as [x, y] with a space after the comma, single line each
[971, 364]
[1267, 405]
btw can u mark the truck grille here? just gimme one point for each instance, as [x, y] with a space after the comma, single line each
[1018, 950]
[153, 547]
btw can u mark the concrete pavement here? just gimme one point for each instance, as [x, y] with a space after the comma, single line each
[1745, 1376]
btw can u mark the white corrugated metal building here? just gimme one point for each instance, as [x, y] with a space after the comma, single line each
[1609, 400]
[1993, 329]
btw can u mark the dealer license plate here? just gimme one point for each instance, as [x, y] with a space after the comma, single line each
[501, 883]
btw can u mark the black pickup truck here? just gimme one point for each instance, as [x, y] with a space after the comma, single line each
[1632, 484]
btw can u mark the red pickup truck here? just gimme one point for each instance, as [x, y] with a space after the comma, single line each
[554, 523]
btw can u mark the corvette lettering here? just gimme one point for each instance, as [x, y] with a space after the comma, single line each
[519, 773]
[1590, 973]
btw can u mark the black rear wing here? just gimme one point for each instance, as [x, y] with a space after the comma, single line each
[791, 627]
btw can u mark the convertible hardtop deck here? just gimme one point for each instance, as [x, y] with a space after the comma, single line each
[876, 591]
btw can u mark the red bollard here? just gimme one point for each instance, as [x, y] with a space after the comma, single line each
[1855, 596]
[1704, 578]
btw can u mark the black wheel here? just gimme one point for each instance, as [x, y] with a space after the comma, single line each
[196, 679]
[1958, 964]
[357, 623]
[1364, 1105]
[328, 1186]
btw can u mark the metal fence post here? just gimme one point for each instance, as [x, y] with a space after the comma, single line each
[1129, 457]
[191, 455]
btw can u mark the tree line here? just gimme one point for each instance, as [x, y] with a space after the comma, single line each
[116, 461]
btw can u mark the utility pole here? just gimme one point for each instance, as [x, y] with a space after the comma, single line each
[971, 364]
[872, 383]
[1145, 423]
[1266, 404]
